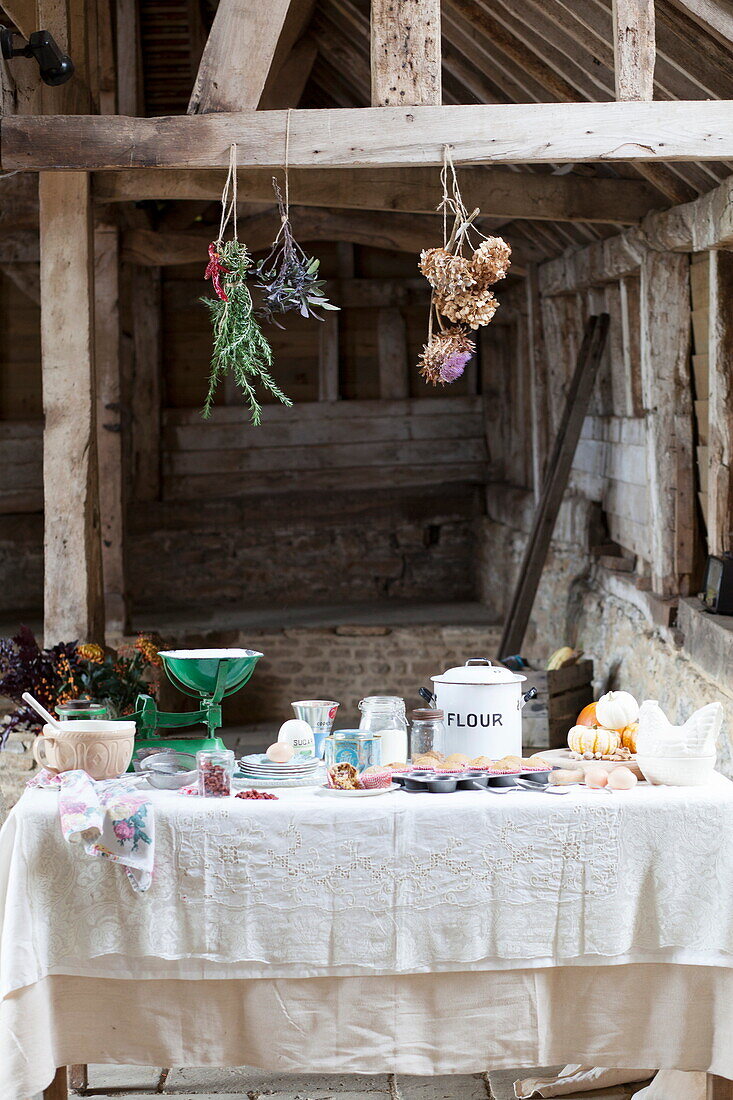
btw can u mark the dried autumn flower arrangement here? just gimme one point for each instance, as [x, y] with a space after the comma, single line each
[461, 288]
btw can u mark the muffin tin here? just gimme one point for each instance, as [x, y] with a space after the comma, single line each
[421, 782]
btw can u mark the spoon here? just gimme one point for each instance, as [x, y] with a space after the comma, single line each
[41, 710]
[542, 788]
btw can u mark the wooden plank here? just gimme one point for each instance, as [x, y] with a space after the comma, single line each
[536, 133]
[328, 358]
[78, 1078]
[405, 53]
[538, 411]
[238, 55]
[392, 360]
[720, 426]
[129, 60]
[336, 410]
[109, 427]
[73, 602]
[631, 336]
[665, 353]
[288, 83]
[59, 1087]
[634, 49]
[23, 14]
[719, 1088]
[578, 398]
[145, 402]
[713, 16]
[407, 190]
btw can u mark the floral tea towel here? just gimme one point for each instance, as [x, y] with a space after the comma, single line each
[112, 820]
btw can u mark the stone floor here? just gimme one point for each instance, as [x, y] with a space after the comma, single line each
[139, 1083]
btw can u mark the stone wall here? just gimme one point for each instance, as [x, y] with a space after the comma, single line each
[634, 639]
[346, 663]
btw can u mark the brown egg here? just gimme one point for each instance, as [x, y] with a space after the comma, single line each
[622, 779]
[596, 777]
[280, 752]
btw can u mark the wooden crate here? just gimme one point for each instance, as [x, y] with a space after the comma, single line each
[561, 695]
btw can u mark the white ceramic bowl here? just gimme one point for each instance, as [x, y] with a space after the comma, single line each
[677, 771]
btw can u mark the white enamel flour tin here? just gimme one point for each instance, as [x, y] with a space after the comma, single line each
[482, 704]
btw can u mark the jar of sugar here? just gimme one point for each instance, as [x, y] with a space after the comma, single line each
[385, 715]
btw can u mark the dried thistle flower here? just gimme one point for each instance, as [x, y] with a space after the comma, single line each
[445, 355]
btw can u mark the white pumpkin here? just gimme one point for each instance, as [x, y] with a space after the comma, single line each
[594, 742]
[617, 709]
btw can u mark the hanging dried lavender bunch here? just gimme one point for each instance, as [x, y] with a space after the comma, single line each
[288, 277]
[240, 347]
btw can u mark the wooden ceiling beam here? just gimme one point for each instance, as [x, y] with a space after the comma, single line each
[634, 47]
[497, 191]
[238, 55]
[398, 233]
[386, 136]
[292, 77]
[405, 53]
[713, 16]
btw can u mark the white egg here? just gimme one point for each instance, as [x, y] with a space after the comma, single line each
[622, 779]
[596, 777]
[280, 752]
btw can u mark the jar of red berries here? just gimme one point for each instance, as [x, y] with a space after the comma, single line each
[215, 770]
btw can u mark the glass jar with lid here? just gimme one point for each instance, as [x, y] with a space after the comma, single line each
[385, 715]
[428, 731]
[215, 771]
[80, 708]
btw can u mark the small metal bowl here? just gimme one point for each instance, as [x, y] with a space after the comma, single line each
[169, 771]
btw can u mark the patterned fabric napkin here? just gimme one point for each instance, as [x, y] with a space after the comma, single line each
[112, 820]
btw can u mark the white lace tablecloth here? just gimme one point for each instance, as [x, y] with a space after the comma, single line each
[313, 885]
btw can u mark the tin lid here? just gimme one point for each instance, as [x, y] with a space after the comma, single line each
[479, 670]
[423, 714]
[354, 735]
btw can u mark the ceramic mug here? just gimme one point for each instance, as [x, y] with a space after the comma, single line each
[100, 748]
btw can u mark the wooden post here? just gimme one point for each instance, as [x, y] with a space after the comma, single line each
[406, 54]
[537, 381]
[634, 48]
[720, 404]
[631, 335]
[59, 1087]
[109, 433]
[328, 357]
[73, 602]
[146, 397]
[719, 1088]
[394, 377]
[665, 369]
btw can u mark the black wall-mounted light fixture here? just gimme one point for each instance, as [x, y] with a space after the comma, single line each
[55, 65]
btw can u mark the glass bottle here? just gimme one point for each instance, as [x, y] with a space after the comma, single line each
[385, 715]
[215, 770]
[428, 731]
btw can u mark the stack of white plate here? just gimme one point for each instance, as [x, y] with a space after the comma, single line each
[260, 768]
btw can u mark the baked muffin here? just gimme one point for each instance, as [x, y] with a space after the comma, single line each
[343, 777]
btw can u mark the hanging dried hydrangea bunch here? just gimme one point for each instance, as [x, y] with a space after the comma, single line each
[461, 285]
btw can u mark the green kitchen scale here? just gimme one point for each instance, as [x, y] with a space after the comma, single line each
[207, 674]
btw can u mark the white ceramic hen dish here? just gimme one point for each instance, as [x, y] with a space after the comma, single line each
[677, 771]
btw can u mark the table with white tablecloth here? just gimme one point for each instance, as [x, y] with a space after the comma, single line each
[404, 932]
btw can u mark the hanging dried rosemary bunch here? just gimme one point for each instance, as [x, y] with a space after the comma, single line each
[240, 348]
[288, 277]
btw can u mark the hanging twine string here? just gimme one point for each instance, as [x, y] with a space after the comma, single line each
[284, 205]
[452, 203]
[229, 197]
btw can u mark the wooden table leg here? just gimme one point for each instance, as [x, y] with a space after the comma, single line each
[719, 1088]
[79, 1078]
[59, 1087]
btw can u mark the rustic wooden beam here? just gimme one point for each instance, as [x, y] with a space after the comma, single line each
[27, 278]
[146, 398]
[73, 606]
[720, 404]
[665, 368]
[129, 60]
[713, 16]
[392, 360]
[23, 15]
[290, 80]
[109, 428]
[536, 133]
[538, 411]
[238, 55]
[407, 190]
[634, 49]
[405, 52]
[328, 358]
